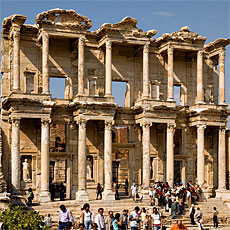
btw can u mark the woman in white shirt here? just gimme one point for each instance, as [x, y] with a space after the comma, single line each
[150, 195]
[156, 218]
[86, 217]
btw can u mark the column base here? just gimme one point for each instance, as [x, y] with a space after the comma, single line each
[4, 200]
[223, 194]
[108, 195]
[170, 99]
[205, 194]
[18, 200]
[82, 195]
[145, 194]
[44, 197]
[200, 102]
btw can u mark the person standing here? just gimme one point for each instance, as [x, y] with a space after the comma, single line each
[99, 219]
[173, 209]
[198, 213]
[62, 192]
[52, 191]
[109, 221]
[134, 191]
[124, 219]
[99, 191]
[117, 191]
[143, 218]
[134, 218]
[215, 219]
[86, 217]
[30, 196]
[117, 223]
[65, 217]
[126, 187]
[150, 195]
[191, 214]
[156, 217]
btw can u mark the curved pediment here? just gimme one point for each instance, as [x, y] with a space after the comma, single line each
[16, 18]
[65, 18]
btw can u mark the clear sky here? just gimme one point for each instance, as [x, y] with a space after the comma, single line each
[207, 18]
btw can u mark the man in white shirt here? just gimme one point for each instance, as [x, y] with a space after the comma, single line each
[99, 219]
[134, 191]
[65, 218]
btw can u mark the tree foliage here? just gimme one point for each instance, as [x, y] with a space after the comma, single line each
[14, 218]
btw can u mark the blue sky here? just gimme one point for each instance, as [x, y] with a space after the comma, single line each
[207, 18]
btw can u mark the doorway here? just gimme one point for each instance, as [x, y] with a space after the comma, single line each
[177, 171]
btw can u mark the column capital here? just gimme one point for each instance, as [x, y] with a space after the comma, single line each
[222, 54]
[81, 41]
[16, 34]
[170, 50]
[45, 37]
[200, 53]
[16, 121]
[201, 128]
[146, 47]
[146, 124]
[222, 130]
[109, 124]
[45, 122]
[108, 44]
[171, 127]
[82, 123]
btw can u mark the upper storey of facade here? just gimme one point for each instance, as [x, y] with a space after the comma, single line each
[60, 45]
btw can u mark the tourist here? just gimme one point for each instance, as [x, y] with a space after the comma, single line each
[64, 218]
[94, 226]
[143, 218]
[62, 191]
[124, 219]
[126, 187]
[30, 196]
[198, 213]
[134, 191]
[179, 226]
[147, 223]
[189, 198]
[48, 221]
[173, 209]
[156, 220]
[99, 191]
[86, 217]
[215, 219]
[52, 191]
[150, 195]
[80, 226]
[117, 223]
[99, 219]
[167, 203]
[117, 191]
[134, 219]
[109, 221]
[191, 214]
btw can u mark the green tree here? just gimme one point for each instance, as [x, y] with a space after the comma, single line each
[14, 218]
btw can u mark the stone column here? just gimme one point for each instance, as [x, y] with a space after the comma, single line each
[16, 81]
[170, 155]
[81, 46]
[45, 66]
[82, 194]
[222, 77]
[200, 90]
[200, 154]
[146, 155]
[108, 193]
[146, 70]
[108, 69]
[170, 74]
[15, 157]
[45, 161]
[222, 160]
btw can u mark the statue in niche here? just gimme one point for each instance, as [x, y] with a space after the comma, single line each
[25, 171]
[89, 167]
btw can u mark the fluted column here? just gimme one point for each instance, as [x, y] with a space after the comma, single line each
[81, 46]
[146, 155]
[82, 194]
[108, 69]
[45, 66]
[200, 155]
[222, 160]
[16, 78]
[170, 74]
[170, 155]
[45, 161]
[222, 77]
[200, 90]
[108, 193]
[15, 156]
[146, 70]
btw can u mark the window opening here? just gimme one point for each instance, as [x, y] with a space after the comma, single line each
[177, 94]
[119, 91]
[58, 87]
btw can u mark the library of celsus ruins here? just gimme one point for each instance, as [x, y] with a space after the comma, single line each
[84, 138]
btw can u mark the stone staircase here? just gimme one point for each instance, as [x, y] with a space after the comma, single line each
[127, 203]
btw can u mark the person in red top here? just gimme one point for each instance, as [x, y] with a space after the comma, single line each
[179, 226]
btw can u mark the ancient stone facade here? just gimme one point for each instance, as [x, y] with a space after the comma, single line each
[71, 140]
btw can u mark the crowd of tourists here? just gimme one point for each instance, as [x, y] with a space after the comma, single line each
[161, 195]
